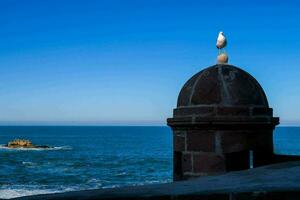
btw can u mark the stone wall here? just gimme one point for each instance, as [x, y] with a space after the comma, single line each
[272, 182]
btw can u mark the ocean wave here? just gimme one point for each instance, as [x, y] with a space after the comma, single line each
[122, 174]
[14, 193]
[111, 186]
[28, 163]
[4, 147]
[8, 193]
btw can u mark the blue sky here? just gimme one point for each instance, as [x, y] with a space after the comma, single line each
[125, 61]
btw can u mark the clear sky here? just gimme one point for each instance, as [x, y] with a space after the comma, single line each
[125, 61]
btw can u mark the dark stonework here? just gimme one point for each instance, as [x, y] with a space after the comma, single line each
[208, 163]
[200, 141]
[187, 162]
[236, 161]
[222, 85]
[179, 142]
[234, 141]
[233, 111]
[177, 165]
[222, 114]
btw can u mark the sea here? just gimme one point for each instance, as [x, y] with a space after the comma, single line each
[92, 157]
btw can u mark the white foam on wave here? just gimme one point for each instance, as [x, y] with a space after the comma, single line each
[3, 147]
[14, 193]
[20, 191]
[28, 163]
[9, 193]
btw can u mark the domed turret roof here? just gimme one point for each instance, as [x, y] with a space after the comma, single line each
[223, 85]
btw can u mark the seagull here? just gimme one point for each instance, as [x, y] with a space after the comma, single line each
[221, 41]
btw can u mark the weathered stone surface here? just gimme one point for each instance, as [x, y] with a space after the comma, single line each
[234, 140]
[262, 111]
[233, 111]
[208, 163]
[262, 157]
[222, 84]
[179, 142]
[187, 162]
[208, 86]
[198, 110]
[200, 141]
[177, 165]
[262, 140]
[236, 161]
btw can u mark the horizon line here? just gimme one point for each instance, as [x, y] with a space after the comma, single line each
[73, 123]
[119, 123]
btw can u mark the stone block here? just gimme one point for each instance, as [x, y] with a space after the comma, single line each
[200, 141]
[233, 111]
[199, 111]
[177, 165]
[179, 142]
[187, 162]
[262, 111]
[237, 160]
[262, 139]
[208, 162]
[262, 157]
[233, 141]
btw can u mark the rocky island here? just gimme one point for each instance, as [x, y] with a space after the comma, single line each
[21, 143]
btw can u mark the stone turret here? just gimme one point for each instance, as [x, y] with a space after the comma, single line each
[222, 115]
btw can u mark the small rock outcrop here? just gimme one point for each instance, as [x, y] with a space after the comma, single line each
[21, 143]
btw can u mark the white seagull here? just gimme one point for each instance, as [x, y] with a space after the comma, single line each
[221, 41]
